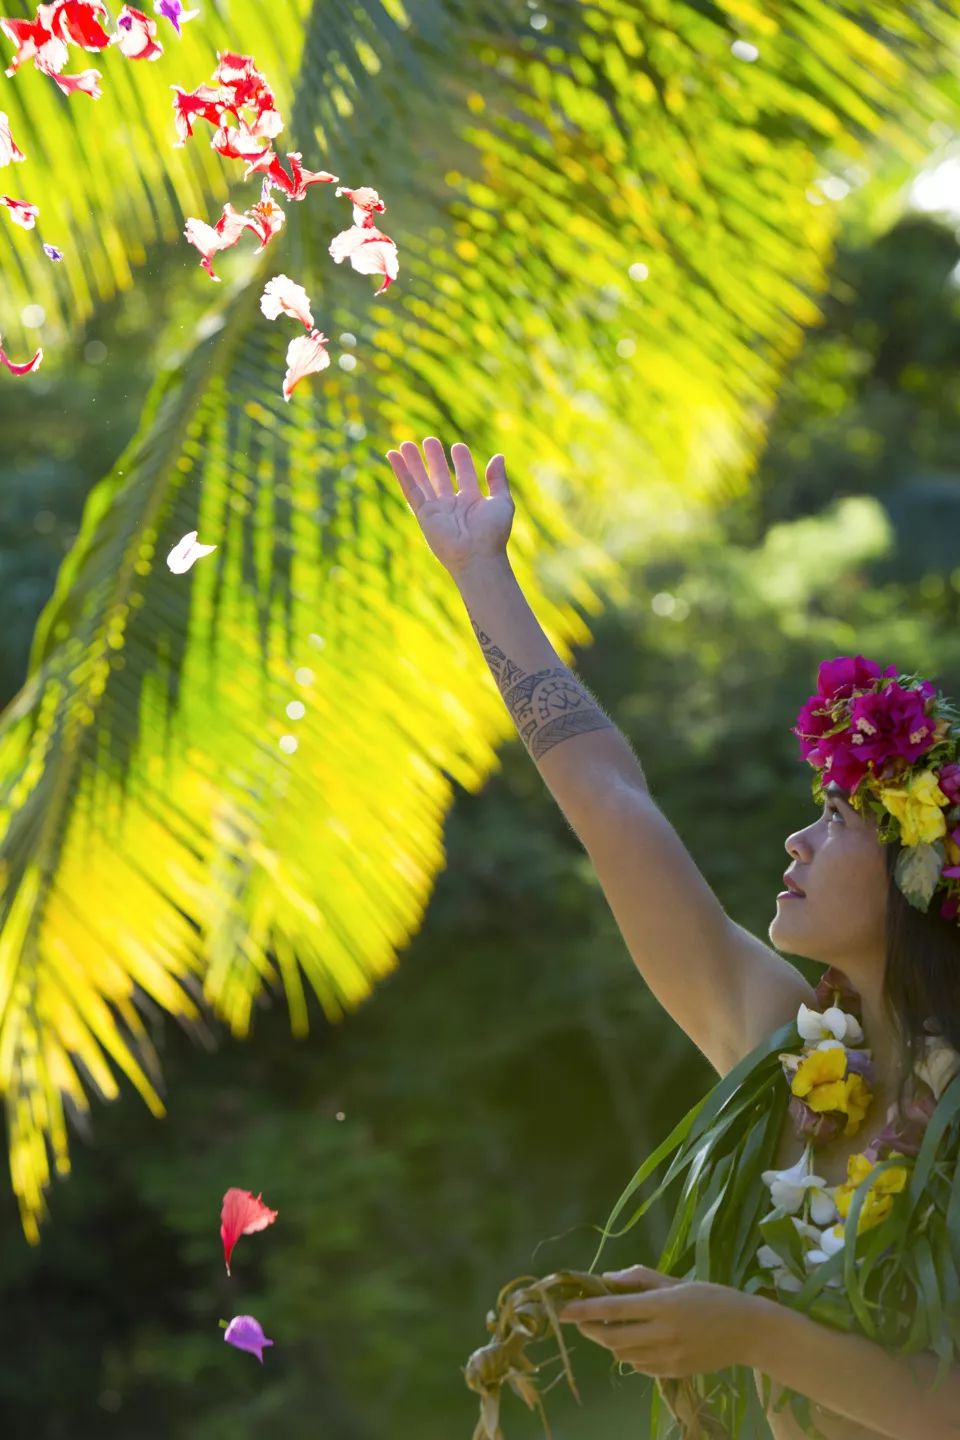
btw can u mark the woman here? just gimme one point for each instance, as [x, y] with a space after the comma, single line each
[893, 964]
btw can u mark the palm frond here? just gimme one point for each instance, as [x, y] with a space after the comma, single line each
[162, 841]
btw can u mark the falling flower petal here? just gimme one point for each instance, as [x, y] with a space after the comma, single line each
[247, 1334]
[365, 202]
[79, 21]
[283, 294]
[30, 37]
[9, 150]
[294, 185]
[173, 11]
[305, 356]
[21, 211]
[265, 218]
[24, 369]
[135, 35]
[185, 554]
[204, 103]
[87, 83]
[241, 1213]
[237, 143]
[369, 251]
[53, 252]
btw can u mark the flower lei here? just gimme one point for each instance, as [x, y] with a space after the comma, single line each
[893, 742]
[830, 1088]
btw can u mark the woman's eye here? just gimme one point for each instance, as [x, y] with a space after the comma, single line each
[832, 810]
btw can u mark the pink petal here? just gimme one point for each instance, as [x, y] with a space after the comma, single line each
[281, 294]
[24, 369]
[135, 35]
[21, 211]
[247, 1334]
[9, 150]
[305, 356]
[241, 1213]
[87, 82]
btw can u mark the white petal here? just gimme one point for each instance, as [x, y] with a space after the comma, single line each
[822, 1207]
[810, 1023]
[186, 553]
[831, 1045]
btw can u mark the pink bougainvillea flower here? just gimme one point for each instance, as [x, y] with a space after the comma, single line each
[306, 355]
[173, 11]
[283, 295]
[24, 369]
[135, 35]
[247, 1334]
[294, 185]
[9, 150]
[21, 211]
[242, 1214]
[52, 252]
[184, 554]
[369, 251]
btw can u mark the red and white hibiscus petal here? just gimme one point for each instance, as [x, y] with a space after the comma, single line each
[306, 355]
[369, 251]
[204, 103]
[28, 36]
[79, 22]
[21, 211]
[294, 185]
[281, 295]
[365, 203]
[135, 35]
[269, 121]
[265, 218]
[185, 554]
[208, 241]
[87, 82]
[24, 369]
[237, 143]
[242, 1214]
[9, 150]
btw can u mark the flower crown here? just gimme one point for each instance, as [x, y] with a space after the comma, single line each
[893, 743]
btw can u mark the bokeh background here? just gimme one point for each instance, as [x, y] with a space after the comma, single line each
[695, 269]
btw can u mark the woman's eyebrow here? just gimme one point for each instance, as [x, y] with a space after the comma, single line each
[835, 792]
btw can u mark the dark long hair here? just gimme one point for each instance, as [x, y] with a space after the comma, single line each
[922, 975]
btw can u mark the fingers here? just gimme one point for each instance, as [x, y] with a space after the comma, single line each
[465, 469]
[427, 481]
[605, 1308]
[437, 466]
[496, 476]
[638, 1277]
[412, 491]
[620, 1339]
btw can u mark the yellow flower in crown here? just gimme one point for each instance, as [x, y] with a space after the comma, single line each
[821, 1080]
[919, 806]
[878, 1200]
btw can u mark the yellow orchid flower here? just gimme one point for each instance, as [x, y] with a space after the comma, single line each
[879, 1198]
[819, 1068]
[919, 806]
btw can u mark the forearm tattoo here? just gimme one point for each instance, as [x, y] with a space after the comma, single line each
[547, 707]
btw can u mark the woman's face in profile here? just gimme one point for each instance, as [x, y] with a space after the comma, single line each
[838, 862]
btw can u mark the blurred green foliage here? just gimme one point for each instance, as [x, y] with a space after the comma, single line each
[497, 1091]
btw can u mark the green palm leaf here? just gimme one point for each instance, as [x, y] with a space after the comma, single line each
[162, 844]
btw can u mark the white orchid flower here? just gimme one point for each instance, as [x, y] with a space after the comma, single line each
[186, 553]
[939, 1064]
[788, 1188]
[831, 1023]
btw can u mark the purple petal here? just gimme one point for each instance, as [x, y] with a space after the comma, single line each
[52, 252]
[246, 1333]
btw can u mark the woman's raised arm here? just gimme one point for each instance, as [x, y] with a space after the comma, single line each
[722, 986]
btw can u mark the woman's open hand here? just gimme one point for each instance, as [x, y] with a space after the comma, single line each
[667, 1327]
[459, 525]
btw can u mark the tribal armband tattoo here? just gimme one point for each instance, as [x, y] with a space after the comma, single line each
[547, 707]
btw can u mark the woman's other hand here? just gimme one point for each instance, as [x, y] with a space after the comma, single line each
[667, 1327]
[461, 525]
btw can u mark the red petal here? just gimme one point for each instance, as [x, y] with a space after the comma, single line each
[241, 1214]
[24, 369]
[76, 20]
